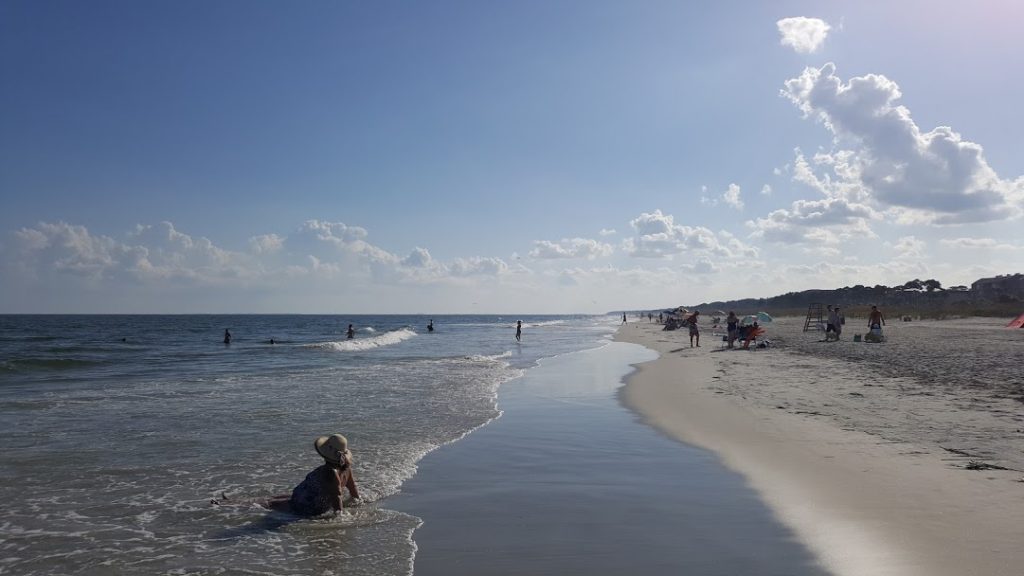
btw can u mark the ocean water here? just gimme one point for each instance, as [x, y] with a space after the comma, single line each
[118, 430]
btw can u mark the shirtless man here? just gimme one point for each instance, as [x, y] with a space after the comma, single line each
[875, 319]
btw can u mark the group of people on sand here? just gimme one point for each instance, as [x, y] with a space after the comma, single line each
[836, 319]
[735, 330]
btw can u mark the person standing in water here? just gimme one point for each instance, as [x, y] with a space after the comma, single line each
[430, 325]
[351, 332]
[623, 317]
[227, 336]
[519, 330]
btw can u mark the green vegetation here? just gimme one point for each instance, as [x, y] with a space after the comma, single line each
[918, 299]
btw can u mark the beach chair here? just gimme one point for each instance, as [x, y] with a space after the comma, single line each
[749, 335]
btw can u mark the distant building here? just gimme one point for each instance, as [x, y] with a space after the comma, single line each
[1007, 286]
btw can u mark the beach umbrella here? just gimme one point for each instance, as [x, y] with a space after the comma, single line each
[721, 312]
[748, 320]
[763, 317]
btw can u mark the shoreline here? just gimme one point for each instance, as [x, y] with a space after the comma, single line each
[864, 504]
[568, 481]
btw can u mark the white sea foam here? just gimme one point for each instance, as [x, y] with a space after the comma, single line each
[544, 323]
[494, 358]
[358, 344]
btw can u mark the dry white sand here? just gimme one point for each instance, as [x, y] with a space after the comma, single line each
[869, 452]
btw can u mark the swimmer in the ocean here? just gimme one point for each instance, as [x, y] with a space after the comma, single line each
[430, 326]
[351, 332]
[227, 336]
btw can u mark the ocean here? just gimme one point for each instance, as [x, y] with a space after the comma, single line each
[119, 430]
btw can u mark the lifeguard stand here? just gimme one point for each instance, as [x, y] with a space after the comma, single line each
[814, 316]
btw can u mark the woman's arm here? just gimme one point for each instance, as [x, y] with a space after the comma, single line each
[351, 484]
[335, 486]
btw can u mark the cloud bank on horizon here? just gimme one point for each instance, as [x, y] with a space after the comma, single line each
[876, 202]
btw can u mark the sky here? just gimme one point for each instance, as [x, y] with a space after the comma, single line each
[501, 157]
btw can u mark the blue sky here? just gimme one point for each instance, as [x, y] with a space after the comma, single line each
[500, 157]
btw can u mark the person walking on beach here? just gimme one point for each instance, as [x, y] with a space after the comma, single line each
[623, 317]
[732, 326]
[351, 332]
[875, 319]
[519, 330]
[838, 322]
[227, 336]
[322, 490]
[694, 330]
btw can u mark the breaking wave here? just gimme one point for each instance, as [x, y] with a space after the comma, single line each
[358, 344]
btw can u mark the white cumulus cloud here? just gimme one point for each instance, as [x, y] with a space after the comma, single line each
[933, 176]
[478, 266]
[981, 244]
[805, 35]
[819, 222]
[732, 197]
[910, 247]
[658, 236]
[571, 248]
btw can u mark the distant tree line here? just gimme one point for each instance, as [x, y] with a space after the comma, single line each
[921, 298]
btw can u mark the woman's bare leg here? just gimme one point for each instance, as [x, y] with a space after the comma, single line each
[281, 502]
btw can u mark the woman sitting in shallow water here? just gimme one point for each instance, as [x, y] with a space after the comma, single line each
[322, 489]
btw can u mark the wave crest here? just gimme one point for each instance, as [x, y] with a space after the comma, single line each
[358, 344]
[494, 358]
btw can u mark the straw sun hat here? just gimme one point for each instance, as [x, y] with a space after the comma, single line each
[333, 448]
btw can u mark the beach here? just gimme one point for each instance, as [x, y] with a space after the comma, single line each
[895, 458]
[569, 482]
[478, 454]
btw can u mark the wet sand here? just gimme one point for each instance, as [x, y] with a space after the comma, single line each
[897, 458]
[568, 481]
